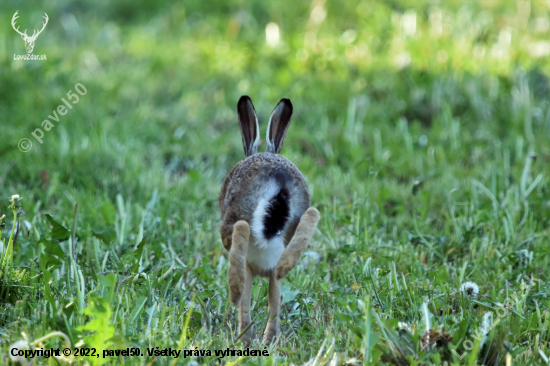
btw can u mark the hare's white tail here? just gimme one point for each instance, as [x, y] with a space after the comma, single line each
[269, 222]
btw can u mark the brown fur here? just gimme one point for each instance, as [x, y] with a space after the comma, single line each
[274, 305]
[236, 274]
[244, 309]
[238, 196]
[298, 244]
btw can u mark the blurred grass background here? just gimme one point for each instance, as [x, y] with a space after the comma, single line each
[398, 106]
[163, 79]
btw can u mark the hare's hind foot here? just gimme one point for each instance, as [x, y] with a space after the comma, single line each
[298, 244]
[244, 310]
[236, 275]
[274, 304]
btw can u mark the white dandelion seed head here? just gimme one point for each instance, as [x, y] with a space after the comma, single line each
[19, 345]
[470, 288]
[14, 198]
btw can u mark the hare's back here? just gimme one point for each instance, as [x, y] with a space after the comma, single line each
[269, 192]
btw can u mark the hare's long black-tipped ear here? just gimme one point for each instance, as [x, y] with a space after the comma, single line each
[278, 125]
[249, 125]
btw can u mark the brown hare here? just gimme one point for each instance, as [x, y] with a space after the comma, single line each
[267, 221]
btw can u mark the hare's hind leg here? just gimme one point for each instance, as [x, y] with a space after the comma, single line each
[236, 275]
[288, 260]
[274, 304]
[298, 244]
[244, 309]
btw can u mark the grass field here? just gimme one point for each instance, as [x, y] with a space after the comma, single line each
[422, 130]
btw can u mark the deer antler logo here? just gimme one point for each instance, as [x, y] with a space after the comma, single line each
[29, 41]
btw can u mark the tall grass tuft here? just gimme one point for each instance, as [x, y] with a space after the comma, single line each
[11, 280]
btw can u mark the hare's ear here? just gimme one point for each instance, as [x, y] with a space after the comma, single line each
[278, 125]
[249, 125]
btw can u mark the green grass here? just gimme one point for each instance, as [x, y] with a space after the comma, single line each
[425, 148]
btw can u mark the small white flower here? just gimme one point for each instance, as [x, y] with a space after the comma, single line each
[19, 345]
[14, 198]
[404, 326]
[470, 288]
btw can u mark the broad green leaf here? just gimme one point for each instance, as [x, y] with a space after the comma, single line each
[47, 261]
[108, 212]
[106, 235]
[288, 294]
[52, 247]
[108, 280]
[59, 232]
